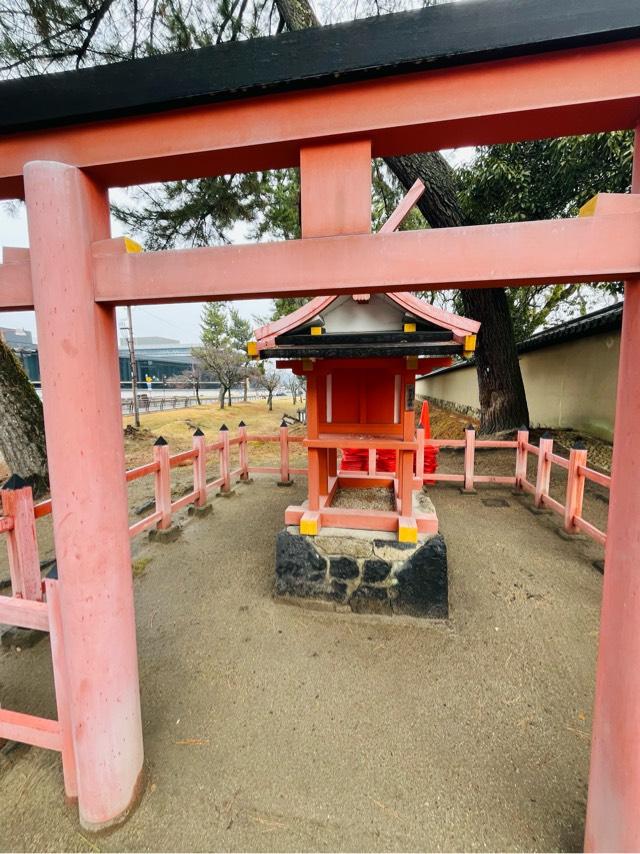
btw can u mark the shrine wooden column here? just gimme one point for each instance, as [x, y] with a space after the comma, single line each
[77, 341]
[613, 807]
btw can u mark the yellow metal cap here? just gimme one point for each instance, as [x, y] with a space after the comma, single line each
[131, 245]
[308, 527]
[589, 208]
[469, 346]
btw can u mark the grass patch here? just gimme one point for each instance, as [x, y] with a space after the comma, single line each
[139, 566]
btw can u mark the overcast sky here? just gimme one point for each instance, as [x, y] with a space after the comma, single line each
[181, 320]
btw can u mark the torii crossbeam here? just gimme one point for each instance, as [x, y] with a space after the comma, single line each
[326, 101]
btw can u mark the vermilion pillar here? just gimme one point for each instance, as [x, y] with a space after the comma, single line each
[613, 809]
[81, 394]
[335, 198]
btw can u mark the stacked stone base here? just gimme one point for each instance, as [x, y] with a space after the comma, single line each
[367, 573]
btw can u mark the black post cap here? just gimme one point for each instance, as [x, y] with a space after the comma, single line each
[283, 423]
[523, 427]
[469, 427]
[546, 435]
[242, 424]
[160, 441]
[578, 445]
[198, 432]
[15, 482]
[224, 427]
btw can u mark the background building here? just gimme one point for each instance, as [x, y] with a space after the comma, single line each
[161, 358]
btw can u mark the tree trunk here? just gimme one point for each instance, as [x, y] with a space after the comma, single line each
[503, 403]
[297, 14]
[270, 401]
[22, 441]
[222, 394]
[229, 395]
[246, 389]
[197, 388]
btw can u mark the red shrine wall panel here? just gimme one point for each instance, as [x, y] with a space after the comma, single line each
[362, 396]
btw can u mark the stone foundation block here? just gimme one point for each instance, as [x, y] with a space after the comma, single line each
[365, 574]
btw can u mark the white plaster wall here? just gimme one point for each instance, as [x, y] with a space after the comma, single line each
[377, 315]
[572, 384]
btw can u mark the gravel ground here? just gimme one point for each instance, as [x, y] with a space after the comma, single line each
[270, 727]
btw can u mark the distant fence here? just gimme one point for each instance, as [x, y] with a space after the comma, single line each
[156, 403]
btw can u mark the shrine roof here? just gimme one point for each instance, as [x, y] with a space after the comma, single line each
[357, 328]
[446, 35]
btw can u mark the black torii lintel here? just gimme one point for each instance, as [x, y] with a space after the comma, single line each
[447, 35]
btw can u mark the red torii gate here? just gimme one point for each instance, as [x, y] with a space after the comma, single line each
[552, 71]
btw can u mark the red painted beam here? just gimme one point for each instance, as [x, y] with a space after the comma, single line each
[554, 94]
[28, 729]
[600, 248]
[25, 613]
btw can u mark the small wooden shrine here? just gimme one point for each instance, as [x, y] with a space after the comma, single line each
[360, 356]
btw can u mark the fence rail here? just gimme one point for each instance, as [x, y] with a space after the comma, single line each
[571, 508]
[19, 511]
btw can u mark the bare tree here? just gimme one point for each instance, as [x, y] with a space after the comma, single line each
[294, 386]
[270, 380]
[227, 366]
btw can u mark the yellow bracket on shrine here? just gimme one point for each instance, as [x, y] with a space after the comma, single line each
[469, 346]
[309, 526]
[317, 330]
[252, 349]
[407, 533]
[409, 327]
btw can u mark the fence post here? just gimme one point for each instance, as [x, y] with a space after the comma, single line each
[285, 480]
[24, 560]
[575, 486]
[544, 469]
[200, 467]
[162, 483]
[521, 456]
[420, 455]
[61, 683]
[244, 451]
[224, 460]
[469, 459]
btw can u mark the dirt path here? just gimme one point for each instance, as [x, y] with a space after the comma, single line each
[269, 727]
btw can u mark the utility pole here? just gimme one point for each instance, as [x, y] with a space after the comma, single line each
[134, 368]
